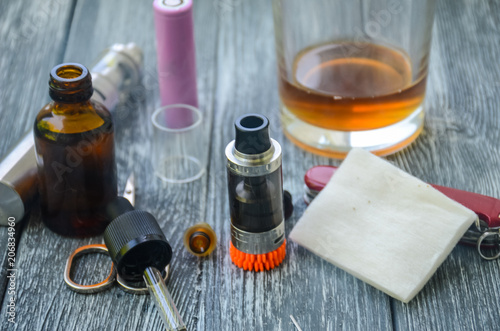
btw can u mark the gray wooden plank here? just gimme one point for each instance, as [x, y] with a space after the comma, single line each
[32, 37]
[45, 302]
[459, 148]
[236, 75]
[317, 294]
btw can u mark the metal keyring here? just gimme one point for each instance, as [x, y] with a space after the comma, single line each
[136, 288]
[479, 242]
[93, 288]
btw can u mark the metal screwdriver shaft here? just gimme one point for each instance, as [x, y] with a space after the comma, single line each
[139, 249]
[163, 301]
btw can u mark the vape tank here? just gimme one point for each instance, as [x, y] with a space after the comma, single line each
[255, 186]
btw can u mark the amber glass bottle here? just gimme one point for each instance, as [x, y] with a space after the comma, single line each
[74, 144]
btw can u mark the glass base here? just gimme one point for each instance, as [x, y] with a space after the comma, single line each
[179, 169]
[337, 144]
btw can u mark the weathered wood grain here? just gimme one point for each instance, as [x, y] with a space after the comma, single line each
[32, 37]
[237, 75]
[45, 303]
[460, 148]
[314, 292]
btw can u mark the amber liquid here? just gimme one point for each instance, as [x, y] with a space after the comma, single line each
[77, 173]
[352, 86]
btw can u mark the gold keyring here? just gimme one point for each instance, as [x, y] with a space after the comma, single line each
[136, 288]
[93, 288]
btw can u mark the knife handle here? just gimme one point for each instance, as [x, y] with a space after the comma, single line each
[487, 208]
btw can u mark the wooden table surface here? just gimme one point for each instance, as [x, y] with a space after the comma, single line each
[459, 147]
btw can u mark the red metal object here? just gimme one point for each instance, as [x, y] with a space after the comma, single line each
[487, 208]
[317, 177]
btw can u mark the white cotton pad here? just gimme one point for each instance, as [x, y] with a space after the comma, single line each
[382, 225]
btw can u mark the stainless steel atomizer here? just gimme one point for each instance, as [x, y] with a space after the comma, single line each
[255, 186]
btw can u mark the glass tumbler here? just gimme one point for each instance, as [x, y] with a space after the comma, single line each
[352, 73]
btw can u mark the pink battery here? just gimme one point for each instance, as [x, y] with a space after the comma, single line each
[176, 57]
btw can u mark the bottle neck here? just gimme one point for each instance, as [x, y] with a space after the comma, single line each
[68, 108]
[70, 83]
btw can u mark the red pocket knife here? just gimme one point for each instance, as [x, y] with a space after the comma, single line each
[484, 233]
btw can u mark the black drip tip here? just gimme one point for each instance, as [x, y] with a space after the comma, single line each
[252, 134]
[135, 241]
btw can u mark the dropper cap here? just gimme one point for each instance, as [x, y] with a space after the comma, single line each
[135, 242]
[252, 134]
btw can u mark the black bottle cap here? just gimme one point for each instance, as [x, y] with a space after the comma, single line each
[135, 241]
[252, 134]
[117, 207]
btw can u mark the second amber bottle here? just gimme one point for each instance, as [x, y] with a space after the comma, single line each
[74, 142]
